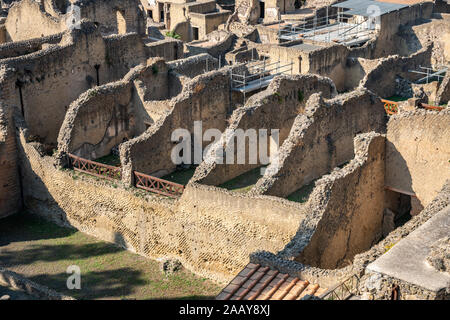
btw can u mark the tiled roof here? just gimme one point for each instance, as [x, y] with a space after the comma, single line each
[255, 282]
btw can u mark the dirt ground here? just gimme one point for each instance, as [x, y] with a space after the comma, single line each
[42, 251]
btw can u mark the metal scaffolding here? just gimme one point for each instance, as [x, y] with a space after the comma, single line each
[331, 28]
[430, 73]
[257, 75]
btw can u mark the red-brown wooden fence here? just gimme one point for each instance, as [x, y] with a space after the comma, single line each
[94, 168]
[158, 185]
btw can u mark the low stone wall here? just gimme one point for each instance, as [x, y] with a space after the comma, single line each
[418, 150]
[274, 108]
[17, 282]
[377, 287]
[321, 140]
[251, 224]
[213, 243]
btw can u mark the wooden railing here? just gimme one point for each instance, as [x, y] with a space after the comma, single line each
[391, 107]
[94, 168]
[158, 185]
[343, 290]
[430, 107]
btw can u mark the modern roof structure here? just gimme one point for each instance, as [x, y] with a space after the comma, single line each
[367, 7]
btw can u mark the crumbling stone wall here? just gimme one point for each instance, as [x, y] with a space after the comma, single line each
[352, 216]
[436, 31]
[321, 139]
[417, 153]
[27, 19]
[105, 116]
[381, 79]
[30, 19]
[205, 98]
[373, 286]
[194, 66]
[20, 48]
[391, 23]
[44, 83]
[216, 44]
[274, 108]
[10, 196]
[212, 243]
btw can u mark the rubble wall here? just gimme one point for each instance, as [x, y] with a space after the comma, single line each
[274, 108]
[321, 140]
[418, 153]
[205, 98]
[352, 217]
[10, 195]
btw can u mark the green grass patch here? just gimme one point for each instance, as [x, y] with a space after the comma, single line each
[302, 194]
[243, 183]
[110, 159]
[180, 176]
[396, 99]
[42, 251]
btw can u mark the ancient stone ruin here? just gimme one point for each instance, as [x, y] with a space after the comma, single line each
[283, 149]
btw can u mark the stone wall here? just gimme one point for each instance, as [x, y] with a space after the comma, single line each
[10, 195]
[352, 216]
[435, 31]
[44, 83]
[321, 140]
[20, 48]
[105, 116]
[274, 108]
[194, 66]
[381, 79]
[217, 44]
[205, 98]
[374, 286]
[387, 42]
[210, 242]
[28, 19]
[418, 153]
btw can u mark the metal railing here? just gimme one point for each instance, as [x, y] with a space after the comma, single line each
[262, 72]
[391, 107]
[94, 168]
[157, 185]
[343, 290]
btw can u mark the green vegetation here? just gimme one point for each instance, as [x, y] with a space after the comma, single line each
[180, 176]
[111, 160]
[41, 251]
[172, 34]
[155, 70]
[396, 99]
[302, 194]
[243, 183]
[300, 95]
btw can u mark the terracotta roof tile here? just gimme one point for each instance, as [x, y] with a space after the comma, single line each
[262, 283]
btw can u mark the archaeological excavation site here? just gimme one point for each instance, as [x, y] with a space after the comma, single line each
[225, 150]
